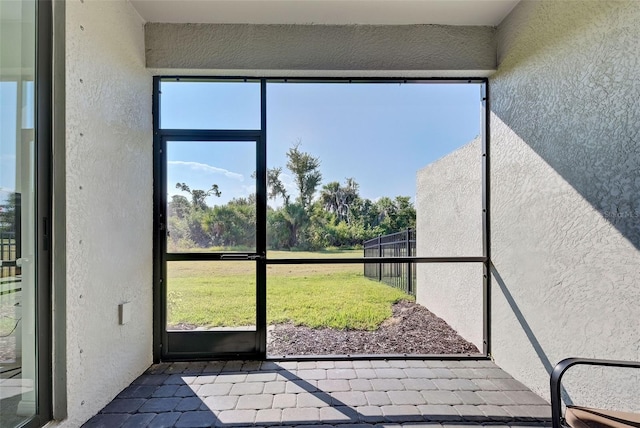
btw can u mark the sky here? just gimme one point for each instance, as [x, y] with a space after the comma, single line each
[11, 118]
[380, 134]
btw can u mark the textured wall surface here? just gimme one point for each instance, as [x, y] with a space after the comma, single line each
[449, 224]
[320, 47]
[109, 203]
[566, 194]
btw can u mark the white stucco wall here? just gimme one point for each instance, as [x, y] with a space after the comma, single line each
[230, 49]
[108, 203]
[565, 213]
[449, 224]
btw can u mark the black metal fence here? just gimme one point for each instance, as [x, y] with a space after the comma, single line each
[8, 254]
[399, 275]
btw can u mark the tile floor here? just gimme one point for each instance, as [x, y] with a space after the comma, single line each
[351, 394]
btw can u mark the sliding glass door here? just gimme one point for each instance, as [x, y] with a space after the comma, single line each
[24, 213]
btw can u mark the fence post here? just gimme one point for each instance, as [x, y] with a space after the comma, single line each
[379, 255]
[409, 267]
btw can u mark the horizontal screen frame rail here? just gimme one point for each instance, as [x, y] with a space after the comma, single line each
[380, 260]
[325, 261]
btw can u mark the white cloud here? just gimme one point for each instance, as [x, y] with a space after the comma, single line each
[197, 166]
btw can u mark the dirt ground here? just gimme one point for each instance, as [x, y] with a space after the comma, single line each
[412, 329]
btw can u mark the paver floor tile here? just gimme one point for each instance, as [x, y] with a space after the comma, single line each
[390, 373]
[418, 384]
[315, 374]
[377, 398]
[139, 420]
[349, 398]
[137, 391]
[370, 414]
[164, 420]
[230, 378]
[469, 398]
[469, 412]
[277, 387]
[360, 385]
[420, 372]
[340, 393]
[486, 384]
[366, 373]
[340, 373]
[526, 397]
[236, 417]
[124, 405]
[299, 386]
[257, 402]
[401, 413]
[439, 412]
[443, 373]
[104, 420]
[313, 400]
[340, 414]
[299, 415]
[261, 377]
[282, 401]
[247, 388]
[455, 384]
[441, 397]
[201, 419]
[190, 404]
[186, 391]
[387, 385]
[159, 405]
[498, 398]
[223, 402]
[214, 389]
[406, 397]
[151, 379]
[493, 412]
[509, 385]
[269, 417]
[332, 385]
[307, 365]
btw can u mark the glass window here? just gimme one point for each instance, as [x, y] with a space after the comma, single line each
[18, 286]
[188, 104]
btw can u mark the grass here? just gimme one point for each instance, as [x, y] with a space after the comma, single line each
[222, 294]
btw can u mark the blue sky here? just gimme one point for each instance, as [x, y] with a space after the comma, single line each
[11, 119]
[379, 134]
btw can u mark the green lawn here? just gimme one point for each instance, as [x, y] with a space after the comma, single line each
[222, 294]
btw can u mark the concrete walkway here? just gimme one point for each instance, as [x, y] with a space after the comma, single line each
[324, 393]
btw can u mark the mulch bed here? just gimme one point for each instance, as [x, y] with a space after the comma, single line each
[412, 329]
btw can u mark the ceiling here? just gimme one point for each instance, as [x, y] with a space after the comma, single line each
[336, 12]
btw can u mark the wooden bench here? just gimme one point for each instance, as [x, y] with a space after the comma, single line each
[586, 417]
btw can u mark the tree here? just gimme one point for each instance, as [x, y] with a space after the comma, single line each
[179, 206]
[339, 199]
[233, 224]
[306, 172]
[198, 197]
[293, 218]
[276, 188]
[9, 212]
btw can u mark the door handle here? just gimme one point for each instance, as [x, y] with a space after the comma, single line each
[240, 257]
